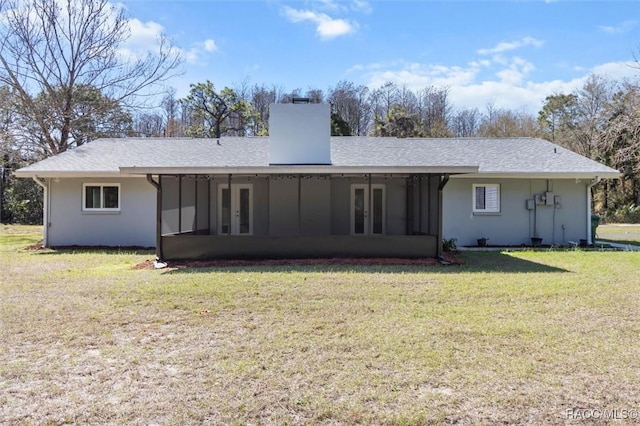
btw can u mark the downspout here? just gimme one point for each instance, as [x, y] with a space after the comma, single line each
[591, 184]
[156, 185]
[443, 182]
[45, 210]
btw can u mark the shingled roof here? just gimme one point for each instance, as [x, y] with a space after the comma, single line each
[499, 157]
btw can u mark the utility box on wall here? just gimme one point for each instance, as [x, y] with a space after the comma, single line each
[530, 204]
[548, 198]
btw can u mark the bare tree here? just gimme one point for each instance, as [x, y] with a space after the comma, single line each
[171, 109]
[465, 123]
[351, 104]
[315, 96]
[149, 125]
[260, 99]
[506, 123]
[384, 99]
[434, 111]
[50, 48]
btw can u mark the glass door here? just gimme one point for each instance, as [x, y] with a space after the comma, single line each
[235, 209]
[367, 209]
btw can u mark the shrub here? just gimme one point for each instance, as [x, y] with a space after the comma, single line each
[628, 213]
[449, 244]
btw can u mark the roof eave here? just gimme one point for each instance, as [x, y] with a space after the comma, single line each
[71, 174]
[300, 169]
[544, 175]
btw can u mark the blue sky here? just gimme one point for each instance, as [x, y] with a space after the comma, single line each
[508, 53]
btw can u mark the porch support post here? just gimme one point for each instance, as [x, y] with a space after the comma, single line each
[195, 210]
[230, 213]
[268, 204]
[408, 206]
[158, 187]
[429, 201]
[179, 204]
[443, 182]
[370, 230]
[420, 176]
[299, 204]
[208, 205]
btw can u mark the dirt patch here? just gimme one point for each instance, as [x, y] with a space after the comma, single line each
[450, 259]
[34, 247]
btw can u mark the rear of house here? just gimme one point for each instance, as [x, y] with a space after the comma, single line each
[302, 193]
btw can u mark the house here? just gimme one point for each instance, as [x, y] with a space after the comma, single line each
[302, 193]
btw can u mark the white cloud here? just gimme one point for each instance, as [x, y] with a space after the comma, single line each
[199, 49]
[618, 70]
[362, 6]
[506, 46]
[143, 38]
[210, 45]
[516, 71]
[326, 26]
[622, 27]
[471, 87]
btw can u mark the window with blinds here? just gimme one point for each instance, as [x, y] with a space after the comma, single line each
[486, 198]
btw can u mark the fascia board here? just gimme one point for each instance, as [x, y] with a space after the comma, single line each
[303, 169]
[71, 174]
[556, 175]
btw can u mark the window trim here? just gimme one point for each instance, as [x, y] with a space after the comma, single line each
[486, 210]
[101, 186]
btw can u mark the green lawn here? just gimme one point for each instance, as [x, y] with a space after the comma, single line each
[506, 338]
[620, 233]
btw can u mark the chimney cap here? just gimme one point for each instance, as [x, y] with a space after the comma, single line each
[300, 100]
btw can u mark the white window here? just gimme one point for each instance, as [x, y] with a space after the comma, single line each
[486, 198]
[368, 209]
[235, 209]
[101, 197]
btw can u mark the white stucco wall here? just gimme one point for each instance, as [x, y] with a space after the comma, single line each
[514, 225]
[133, 225]
[300, 134]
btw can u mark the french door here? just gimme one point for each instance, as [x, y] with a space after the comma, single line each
[235, 209]
[368, 209]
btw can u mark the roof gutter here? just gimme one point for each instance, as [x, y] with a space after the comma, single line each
[45, 210]
[71, 174]
[589, 201]
[299, 169]
[541, 175]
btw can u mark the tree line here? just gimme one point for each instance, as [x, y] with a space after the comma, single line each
[64, 81]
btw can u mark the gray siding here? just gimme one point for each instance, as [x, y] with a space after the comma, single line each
[340, 207]
[283, 207]
[134, 225]
[315, 207]
[514, 225]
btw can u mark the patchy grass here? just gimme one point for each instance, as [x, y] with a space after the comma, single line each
[506, 338]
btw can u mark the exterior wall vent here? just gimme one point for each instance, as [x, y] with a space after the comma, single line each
[300, 133]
